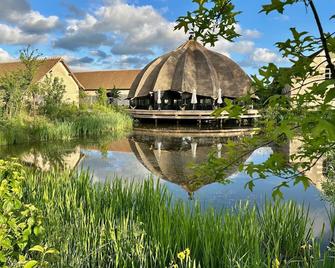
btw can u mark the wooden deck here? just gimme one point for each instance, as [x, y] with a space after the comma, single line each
[187, 115]
[195, 133]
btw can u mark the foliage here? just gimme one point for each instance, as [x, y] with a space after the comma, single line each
[11, 85]
[30, 90]
[102, 98]
[20, 222]
[53, 92]
[114, 94]
[20, 85]
[82, 96]
[210, 23]
[328, 185]
[138, 225]
[64, 123]
[305, 113]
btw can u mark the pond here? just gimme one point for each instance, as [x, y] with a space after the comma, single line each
[169, 156]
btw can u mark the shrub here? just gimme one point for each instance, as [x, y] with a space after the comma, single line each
[20, 223]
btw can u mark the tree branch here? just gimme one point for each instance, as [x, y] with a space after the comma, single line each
[323, 38]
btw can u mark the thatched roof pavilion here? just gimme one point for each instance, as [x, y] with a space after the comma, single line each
[188, 69]
[188, 83]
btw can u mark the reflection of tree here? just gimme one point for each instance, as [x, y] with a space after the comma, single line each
[62, 155]
[328, 185]
[45, 155]
[329, 166]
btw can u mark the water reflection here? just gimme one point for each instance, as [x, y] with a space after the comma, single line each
[138, 157]
[172, 158]
[45, 156]
[316, 173]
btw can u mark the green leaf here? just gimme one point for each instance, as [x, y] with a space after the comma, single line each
[330, 95]
[250, 185]
[37, 248]
[277, 194]
[52, 251]
[325, 126]
[304, 180]
[31, 264]
[2, 258]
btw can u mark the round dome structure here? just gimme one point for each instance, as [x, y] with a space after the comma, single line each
[192, 67]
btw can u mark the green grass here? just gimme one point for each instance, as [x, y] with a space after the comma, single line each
[65, 124]
[138, 225]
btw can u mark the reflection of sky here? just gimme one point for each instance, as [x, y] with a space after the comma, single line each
[114, 164]
[216, 195]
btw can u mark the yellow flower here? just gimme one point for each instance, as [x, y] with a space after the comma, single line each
[187, 252]
[181, 255]
[276, 263]
[174, 265]
[303, 246]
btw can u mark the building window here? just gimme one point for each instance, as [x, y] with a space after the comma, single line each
[328, 73]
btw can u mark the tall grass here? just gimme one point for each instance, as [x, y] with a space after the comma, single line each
[137, 225]
[69, 125]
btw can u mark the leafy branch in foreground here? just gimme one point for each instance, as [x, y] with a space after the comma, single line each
[20, 223]
[296, 103]
[210, 23]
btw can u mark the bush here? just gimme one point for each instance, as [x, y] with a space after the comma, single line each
[20, 222]
[64, 123]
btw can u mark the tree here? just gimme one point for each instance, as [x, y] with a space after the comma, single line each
[114, 94]
[52, 89]
[102, 96]
[11, 86]
[31, 60]
[20, 85]
[287, 117]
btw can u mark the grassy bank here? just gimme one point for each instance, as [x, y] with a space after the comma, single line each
[137, 226]
[64, 123]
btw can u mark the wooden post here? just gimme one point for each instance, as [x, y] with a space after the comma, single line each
[156, 122]
[199, 123]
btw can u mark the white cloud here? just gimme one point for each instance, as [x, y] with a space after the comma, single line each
[22, 25]
[241, 47]
[252, 34]
[5, 56]
[34, 22]
[137, 29]
[264, 55]
[15, 36]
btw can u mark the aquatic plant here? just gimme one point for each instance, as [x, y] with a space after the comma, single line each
[65, 124]
[137, 225]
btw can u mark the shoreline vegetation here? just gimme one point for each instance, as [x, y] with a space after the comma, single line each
[85, 224]
[67, 122]
[34, 110]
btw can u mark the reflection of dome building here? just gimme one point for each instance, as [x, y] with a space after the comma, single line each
[171, 158]
[191, 77]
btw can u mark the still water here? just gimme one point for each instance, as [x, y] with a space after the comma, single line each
[169, 157]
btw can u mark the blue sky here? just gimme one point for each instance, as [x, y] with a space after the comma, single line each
[121, 34]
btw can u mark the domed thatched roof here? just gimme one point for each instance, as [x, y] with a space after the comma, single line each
[189, 67]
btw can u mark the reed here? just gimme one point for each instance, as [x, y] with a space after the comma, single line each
[137, 225]
[75, 124]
